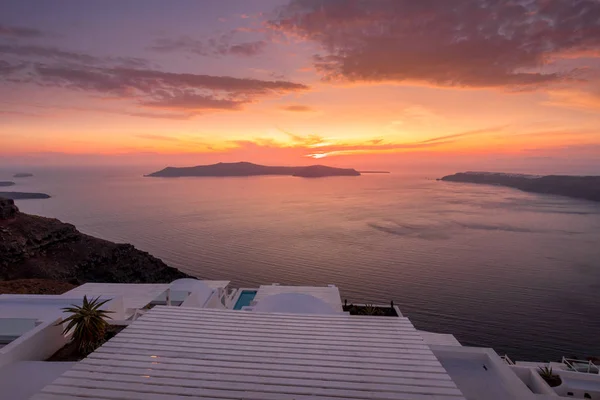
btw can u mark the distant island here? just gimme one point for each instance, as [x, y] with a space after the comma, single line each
[374, 172]
[579, 187]
[23, 195]
[23, 175]
[6, 183]
[250, 169]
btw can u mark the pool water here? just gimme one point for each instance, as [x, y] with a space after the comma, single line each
[245, 299]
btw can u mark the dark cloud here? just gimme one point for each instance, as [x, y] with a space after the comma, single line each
[297, 108]
[188, 100]
[51, 53]
[469, 43]
[191, 93]
[146, 80]
[20, 32]
[218, 46]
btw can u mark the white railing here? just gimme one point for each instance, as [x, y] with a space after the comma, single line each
[229, 297]
[587, 367]
[507, 359]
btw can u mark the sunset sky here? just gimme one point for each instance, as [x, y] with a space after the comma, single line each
[477, 83]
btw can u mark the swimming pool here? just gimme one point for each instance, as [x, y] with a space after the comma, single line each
[245, 298]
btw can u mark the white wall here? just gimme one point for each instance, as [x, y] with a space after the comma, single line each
[579, 384]
[533, 380]
[36, 345]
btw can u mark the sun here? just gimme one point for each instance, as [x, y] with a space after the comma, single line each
[317, 155]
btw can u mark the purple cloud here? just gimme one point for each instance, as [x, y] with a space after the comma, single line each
[452, 43]
[217, 46]
[41, 52]
[7, 68]
[20, 32]
[188, 93]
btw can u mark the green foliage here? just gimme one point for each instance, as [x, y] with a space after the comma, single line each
[369, 309]
[546, 372]
[88, 323]
[550, 377]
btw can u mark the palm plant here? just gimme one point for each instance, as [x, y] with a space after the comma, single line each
[550, 377]
[88, 323]
[370, 309]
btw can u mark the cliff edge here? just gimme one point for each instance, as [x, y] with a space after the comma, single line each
[33, 247]
[578, 187]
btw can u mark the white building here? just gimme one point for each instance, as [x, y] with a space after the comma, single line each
[196, 339]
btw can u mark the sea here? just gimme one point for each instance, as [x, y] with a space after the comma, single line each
[496, 267]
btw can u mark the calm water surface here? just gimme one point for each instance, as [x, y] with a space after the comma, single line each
[494, 266]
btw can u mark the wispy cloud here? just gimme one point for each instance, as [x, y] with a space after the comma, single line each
[454, 136]
[316, 146]
[20, 32]
[51, 53]
[187, 94]
[222, 45]
[587, 99]
[297, 108]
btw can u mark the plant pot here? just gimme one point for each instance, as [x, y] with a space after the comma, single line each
[553, 382]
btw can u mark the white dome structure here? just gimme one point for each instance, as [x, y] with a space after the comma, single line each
[295, 303]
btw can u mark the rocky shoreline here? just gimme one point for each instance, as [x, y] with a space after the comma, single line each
[33, 247]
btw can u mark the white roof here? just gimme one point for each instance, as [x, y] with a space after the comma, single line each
[37, 306]
[135, 295]
[178, 353]
[189, 285]
[329, 294]
[295, 303]
[216, 284]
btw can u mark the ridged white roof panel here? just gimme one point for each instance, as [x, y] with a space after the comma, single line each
[185, 353]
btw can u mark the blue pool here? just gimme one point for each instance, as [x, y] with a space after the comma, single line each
[245, 299]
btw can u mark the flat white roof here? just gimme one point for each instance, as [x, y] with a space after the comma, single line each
[216, 284]
[135, 295]
[329, 294]
[179, 353]
[39, 306]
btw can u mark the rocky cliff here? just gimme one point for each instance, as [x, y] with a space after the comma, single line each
[45, 248]
[579, 187]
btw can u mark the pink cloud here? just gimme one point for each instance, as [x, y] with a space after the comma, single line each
[453, 43]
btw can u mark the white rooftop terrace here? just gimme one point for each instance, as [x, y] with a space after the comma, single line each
[180, 353]
[135, 295]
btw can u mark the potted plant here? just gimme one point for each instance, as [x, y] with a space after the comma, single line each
[88, 323]
[551, 378]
